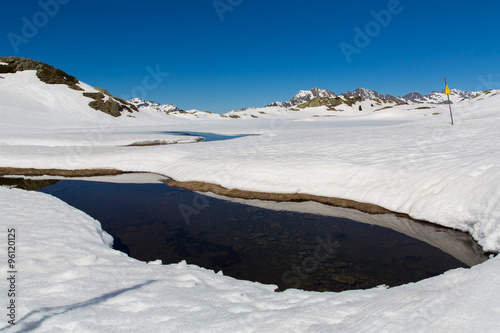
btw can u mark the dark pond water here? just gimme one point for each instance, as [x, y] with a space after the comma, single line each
[207, 136]
[284, 248]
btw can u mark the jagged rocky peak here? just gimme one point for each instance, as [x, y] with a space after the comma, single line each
[140, 103]
[390, 97]
[413, 97]
[454, 92]
[278, 104]
[313, 93]
[364, 94]
[305, 96]
[436, 97]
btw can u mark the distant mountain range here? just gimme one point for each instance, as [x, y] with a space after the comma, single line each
[102, 100]
[434, 97]
[304, 97]
[143, 104]
[438, 97]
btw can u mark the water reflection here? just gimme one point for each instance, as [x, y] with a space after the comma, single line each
[293, 245]
[207, 136]
[456, 243]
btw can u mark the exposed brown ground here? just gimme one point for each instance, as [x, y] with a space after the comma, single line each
[150, 144]
[280, 197]
[27, 184]
[58, 172]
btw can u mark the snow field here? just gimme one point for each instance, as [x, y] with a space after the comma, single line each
[404, 159]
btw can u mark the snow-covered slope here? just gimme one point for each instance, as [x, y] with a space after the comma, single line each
[33, 112]
[26, 101]
[71, 281]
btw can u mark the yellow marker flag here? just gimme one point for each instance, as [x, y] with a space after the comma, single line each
[447, 91]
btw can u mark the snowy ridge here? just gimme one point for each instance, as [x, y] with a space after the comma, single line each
[304, 96]
[142, 104]
[364, 94]
[415, 97]
[368, 94]
[170, 109]
[439, 97]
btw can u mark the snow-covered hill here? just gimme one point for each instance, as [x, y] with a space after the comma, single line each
[55, 97]
[24, 75]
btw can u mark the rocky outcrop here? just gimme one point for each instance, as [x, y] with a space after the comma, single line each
[305, 96]
[46, 73]
[107, 103]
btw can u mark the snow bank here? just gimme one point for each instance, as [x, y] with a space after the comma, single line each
[455, 243]
[72, 281]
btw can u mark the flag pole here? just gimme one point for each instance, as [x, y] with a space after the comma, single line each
[448, 93]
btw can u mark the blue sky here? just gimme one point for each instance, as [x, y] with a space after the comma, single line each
[229, 54]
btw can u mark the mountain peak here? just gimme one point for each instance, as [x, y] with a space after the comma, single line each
[364, 94]
[305, 96]
[438, 97]
[413, 97]
[434, 97]
[143, 104]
